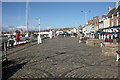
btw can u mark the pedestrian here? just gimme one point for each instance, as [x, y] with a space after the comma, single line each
[18, 38]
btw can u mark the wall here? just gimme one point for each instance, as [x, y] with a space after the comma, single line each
[115, 20]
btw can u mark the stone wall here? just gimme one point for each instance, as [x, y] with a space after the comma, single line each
[94, 42]
[109, 51]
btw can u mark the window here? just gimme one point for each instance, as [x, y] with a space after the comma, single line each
[117, 14]
[107, 23]
[112, 23]
[117, 22]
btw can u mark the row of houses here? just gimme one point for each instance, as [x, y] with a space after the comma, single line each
[109, 22]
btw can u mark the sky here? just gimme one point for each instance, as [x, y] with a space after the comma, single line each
[52, 14]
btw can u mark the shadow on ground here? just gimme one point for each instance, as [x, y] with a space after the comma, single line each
[9, 71]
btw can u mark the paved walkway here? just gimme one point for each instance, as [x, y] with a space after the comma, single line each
[59, 58]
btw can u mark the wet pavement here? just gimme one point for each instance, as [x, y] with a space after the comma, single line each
[59, 58]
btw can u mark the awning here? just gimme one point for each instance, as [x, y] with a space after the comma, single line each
[107, 34]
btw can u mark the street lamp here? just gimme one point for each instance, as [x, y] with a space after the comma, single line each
[38, 22]
[39, 35]
[86, 13]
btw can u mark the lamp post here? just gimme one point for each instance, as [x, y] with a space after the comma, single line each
[38, 22]
[85, 12]
[39, 35]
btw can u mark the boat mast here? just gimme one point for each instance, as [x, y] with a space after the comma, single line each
[27, 16]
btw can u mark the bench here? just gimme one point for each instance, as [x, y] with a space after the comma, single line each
[118, 55]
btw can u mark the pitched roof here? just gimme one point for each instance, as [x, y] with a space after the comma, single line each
[110, 13]
[114, 12]
[117, 10]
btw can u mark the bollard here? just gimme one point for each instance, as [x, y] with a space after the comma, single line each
[50, 37]
[118, 56]
[99, 36]
[39, 39]
[93, 36]
[50, 34]
[102, 36]
[108, 36]
[111, 36]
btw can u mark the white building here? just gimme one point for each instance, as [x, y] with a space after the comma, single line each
[74, 30]
[101, 24]
[106, 22]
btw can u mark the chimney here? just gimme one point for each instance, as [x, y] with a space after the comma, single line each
[117, 4]
[110, 8]
[103, 15]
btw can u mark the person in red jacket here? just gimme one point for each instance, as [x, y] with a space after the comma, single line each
[18, 38]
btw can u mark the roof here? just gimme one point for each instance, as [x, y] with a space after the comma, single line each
[110, 13]
[117, 10]
[114, 12]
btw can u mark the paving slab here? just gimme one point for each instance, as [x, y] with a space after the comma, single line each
[60, 57]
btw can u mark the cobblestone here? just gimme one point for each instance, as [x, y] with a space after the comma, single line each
[59, 58]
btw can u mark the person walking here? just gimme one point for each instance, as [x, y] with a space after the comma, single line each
[18, 38]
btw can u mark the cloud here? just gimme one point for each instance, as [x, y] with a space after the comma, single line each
[14, 28]
[21, 27]
[49, 27]
[8, 28]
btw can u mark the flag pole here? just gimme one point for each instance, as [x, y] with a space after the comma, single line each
[27, 17]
